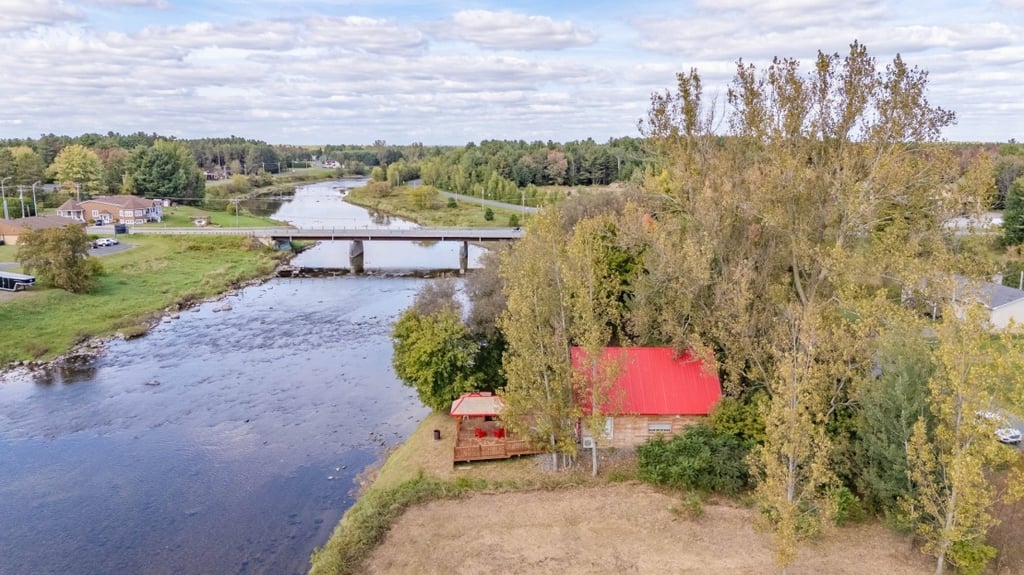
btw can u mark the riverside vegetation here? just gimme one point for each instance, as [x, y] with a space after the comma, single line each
[134, 290]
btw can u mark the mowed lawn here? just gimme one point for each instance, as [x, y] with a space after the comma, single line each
[157, 272]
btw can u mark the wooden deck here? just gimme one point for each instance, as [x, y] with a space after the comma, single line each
[470, 446]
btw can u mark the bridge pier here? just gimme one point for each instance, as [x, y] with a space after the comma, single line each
[464, 257]
[355, 256]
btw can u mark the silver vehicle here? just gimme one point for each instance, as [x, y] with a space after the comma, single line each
[1004, 433]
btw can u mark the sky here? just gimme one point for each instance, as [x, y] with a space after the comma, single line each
[450, 72]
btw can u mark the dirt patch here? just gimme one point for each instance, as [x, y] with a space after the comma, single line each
[625, 528]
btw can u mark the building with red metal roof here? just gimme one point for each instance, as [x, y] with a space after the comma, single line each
[656, 391]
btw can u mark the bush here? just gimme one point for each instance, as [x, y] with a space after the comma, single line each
[847, 506]
[513, 221]
[743, 418]
[489, 214]
[971, 556]
[452, 203]
[699, 458]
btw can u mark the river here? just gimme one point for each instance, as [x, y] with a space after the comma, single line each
[225, 441]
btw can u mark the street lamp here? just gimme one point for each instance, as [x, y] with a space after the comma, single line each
[35, 206]
[21, 198]
[3, 196]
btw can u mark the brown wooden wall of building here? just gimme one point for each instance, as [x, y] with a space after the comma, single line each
[632, 430]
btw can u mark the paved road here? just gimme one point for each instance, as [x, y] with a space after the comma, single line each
[481, 201]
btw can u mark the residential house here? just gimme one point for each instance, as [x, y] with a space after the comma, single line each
[10, 230]
[1003, 303]
[657, 392]
[113, 209]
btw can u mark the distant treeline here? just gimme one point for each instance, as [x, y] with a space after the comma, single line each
[502, 169]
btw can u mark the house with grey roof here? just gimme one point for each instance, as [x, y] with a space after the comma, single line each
[1004, 303]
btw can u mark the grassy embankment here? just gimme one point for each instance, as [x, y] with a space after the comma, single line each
[137, 285]
[421, 470]
[181, 217]
[437, 214]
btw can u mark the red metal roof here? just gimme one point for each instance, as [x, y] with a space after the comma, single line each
[656, 382]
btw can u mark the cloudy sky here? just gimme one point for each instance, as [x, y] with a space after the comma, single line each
[454, 71]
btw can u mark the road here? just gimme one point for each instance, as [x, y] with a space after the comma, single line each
[481, 201]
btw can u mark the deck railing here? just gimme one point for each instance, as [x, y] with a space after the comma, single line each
[473, 451]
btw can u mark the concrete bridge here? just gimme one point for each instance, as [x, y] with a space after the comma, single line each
[275, 236]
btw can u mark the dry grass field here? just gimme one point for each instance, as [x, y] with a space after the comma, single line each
[619, 528]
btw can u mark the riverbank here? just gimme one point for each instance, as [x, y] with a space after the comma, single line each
[438, 213]
[158, 275]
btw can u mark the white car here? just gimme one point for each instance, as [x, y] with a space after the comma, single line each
[104, 242]
[1005, 434]
[1008, 435]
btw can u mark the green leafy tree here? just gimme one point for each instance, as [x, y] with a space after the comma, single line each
[28, 166]
[115, 169]
[423, 196]
[78, 168]
[60, 258]
[168, 170]
[435, 355]
[489, 214]
[1013, 216]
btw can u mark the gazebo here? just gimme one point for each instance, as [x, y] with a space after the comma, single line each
[480, 432]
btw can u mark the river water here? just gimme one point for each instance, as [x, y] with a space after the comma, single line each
[224, 441]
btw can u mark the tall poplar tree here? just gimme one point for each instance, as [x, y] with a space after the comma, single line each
[538, 395]
[826, 187]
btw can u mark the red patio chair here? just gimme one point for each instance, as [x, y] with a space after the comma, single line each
[479, 432]
[499, 433]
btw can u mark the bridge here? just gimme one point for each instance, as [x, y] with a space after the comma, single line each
[355, 235]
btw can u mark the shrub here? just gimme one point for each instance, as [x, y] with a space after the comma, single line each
[699, 458]
[489, 214]
[847, 506]
[452, 203]
[743, 418]
[971, 556]
[513, 221]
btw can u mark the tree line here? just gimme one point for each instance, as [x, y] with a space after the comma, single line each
[805, 255]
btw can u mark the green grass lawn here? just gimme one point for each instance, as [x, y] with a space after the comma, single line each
[181, 217]
[138, 284]
[7, 253]
[438, 214]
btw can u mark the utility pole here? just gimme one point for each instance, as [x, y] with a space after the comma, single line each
[35, 206]
[3, 196]
[21, 196]
[78, 192]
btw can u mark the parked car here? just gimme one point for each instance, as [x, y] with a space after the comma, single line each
[1004, 433]
[105, 242]
[1008, 435]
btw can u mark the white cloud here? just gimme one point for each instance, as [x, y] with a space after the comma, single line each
[158, 4]
[357, 71]
[513, 31]
[25, 14]
[361, 34]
